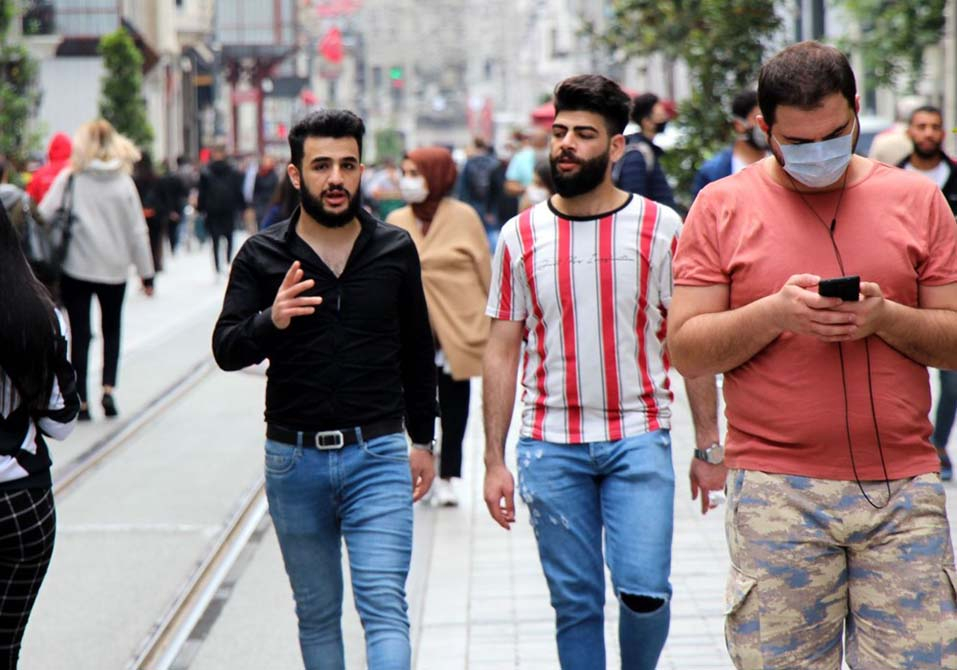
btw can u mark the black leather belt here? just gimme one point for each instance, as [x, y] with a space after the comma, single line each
[333, 439]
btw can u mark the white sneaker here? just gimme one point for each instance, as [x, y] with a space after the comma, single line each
[443, 494]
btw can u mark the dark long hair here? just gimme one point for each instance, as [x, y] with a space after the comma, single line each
[27, 323]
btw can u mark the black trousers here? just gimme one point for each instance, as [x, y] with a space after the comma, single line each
[454, 407]
[220, 226]
[77, 296]
[157, 227]
[27, 531]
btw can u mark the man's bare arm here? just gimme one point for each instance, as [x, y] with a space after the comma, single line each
[925, 334]
[499, 373]
[498, 398]
[703, 400]
[514, 188]
[705, 337]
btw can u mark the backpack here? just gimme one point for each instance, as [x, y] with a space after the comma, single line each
[478, 177]
[646, 152]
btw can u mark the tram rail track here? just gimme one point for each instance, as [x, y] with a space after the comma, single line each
[66, 480]
[174, 629]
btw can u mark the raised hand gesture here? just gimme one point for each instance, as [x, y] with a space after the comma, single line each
[288, 302]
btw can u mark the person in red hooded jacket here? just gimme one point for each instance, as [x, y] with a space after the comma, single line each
[58, 157]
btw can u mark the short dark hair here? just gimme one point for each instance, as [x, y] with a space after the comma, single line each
[802, 75]
[324, 123]
[642, 106]
[743, 103]
[594, 93]
[925, 109]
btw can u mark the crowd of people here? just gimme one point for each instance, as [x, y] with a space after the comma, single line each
[819, 284]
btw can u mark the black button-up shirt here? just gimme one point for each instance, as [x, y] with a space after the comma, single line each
[365, 355]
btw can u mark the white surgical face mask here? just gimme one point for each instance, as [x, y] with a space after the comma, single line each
[752, 134]
[818, 164]
[536, 194]
[413, 189]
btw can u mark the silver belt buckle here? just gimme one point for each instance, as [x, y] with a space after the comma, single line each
[330, 439]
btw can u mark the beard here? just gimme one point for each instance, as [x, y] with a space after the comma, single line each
[314, 207]
[927, 153]
[590, 174]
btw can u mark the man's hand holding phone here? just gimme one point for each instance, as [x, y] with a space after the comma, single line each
[801, 309]
[867, 311]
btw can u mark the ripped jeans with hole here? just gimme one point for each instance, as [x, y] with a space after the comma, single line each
[574, 492]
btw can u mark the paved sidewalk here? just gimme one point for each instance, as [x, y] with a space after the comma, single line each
[486, 603]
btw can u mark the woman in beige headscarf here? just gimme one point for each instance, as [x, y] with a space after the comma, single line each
[456, 271]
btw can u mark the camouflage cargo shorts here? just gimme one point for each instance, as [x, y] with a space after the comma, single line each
[813, 562]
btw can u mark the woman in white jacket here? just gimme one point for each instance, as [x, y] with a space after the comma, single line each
[109, 234]
[38, 400]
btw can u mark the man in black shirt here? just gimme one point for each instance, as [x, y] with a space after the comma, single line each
[334, 299]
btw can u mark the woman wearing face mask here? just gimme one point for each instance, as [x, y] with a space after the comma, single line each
[456, 271]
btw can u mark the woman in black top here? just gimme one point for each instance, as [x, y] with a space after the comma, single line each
[38, 399]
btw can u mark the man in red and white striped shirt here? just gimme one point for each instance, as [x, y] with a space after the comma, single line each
[583, 281]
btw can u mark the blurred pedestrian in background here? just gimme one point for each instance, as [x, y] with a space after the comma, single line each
[156, 206]
[38, 400]
[639, 170]
[58, 157]
[521, 168]
[283, 204]
[541, 188]
[475, 182]
[221, 202]
[381, 189]
[264, 188]
[191, 225]
[750, 144]
[456, 270]
[925, 131]
[503, 205]
[20, 209]
[894, 145]
[109, 234]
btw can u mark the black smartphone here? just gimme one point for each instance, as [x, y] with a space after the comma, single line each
[845, 288]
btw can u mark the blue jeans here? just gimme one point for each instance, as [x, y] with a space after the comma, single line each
[362, 493]
[573, 492]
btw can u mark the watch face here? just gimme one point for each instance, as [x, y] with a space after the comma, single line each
[716, 454]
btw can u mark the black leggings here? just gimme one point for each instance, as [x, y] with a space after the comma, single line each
[77, 296]
[28, 528]
[454, 407]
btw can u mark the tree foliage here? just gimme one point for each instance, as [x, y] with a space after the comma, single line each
[723, 43]
[121, 101]
[18, 90]
[893, 36]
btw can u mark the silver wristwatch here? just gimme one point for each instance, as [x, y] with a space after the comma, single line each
[714, 454]
[425, 446]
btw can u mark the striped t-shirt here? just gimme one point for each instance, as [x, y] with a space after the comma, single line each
[594, 295]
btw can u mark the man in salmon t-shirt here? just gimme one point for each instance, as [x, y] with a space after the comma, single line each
[836, 517]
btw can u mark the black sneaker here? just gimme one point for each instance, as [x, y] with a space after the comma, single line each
[83, 415]
[109, 405]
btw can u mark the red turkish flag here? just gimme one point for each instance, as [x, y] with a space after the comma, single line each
[331, 46]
